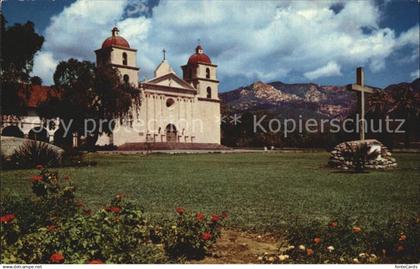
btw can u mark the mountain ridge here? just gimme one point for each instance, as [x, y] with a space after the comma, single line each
[299, 99]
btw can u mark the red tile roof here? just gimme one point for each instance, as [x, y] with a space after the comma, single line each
[115, 40]
[34, 95]
[199, 57]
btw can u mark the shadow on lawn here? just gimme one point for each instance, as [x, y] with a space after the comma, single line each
[349, 172]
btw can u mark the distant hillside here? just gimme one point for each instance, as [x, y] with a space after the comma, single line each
[292, 100]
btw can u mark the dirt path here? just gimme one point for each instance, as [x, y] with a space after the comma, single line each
[241, 247]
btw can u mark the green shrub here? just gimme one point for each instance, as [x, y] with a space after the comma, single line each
[192, 234]
[5, 163]
[33, 153]
[108, 236]
[75, 158]
[30, 213]
[53, 227]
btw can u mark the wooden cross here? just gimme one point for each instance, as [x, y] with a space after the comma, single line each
[164, 54]
[360, 88]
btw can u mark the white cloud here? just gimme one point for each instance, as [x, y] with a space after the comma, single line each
[76, 32]
[331, 69]
[410, 37]
[415, 74]
[256, 40]
[44, 66]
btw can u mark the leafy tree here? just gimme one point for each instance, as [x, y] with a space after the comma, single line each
[19, 44]
[73, 81]
[88, 95]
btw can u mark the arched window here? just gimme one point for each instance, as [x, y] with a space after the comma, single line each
[208, 92]
[12, 131]
[124, 58]
[126, 78]
[207, 72]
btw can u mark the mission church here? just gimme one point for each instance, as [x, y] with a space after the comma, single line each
[176, 110]
[173, 110]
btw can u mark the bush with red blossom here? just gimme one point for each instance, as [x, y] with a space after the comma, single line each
[192, 235]
[65, 231]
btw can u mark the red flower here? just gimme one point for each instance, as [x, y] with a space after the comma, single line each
[114, 209]
[36, 179]
[333, 224]
[180, 210]
[57, 257]
[215, 218]
[66, 177]
[317, 240]
[400, 248]
[39, 166]
[51, 228]
[7, 218]
[95, 261]
[356, 229]
[206, 236]
[224, 214]
[87, 212]
[199, 216]
[309, 252]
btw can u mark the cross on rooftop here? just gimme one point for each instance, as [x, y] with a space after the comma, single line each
[164, 54]
[360, 88]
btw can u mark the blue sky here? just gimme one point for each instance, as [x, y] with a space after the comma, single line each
[297, 41]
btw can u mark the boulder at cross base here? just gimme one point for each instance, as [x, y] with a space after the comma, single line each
[379, 156]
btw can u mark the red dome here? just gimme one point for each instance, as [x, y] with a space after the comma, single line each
[115, 40]
[199, 57]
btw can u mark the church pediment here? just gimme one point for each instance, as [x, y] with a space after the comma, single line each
[170, 81]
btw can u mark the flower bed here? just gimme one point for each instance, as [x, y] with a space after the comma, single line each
[68, 232]
[344, 240]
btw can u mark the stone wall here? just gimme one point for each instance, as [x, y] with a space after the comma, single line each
[379, 157]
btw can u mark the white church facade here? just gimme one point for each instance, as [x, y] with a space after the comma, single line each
[173, 109]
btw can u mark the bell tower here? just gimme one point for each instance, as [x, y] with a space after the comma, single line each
[201, 74]
[116, 51]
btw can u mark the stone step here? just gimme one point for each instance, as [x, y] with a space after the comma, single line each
[170, 146]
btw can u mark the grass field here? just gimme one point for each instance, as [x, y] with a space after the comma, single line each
[259, 190]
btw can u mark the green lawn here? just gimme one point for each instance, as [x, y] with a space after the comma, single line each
[259, 190]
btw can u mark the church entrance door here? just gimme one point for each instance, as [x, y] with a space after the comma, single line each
[171, 133]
